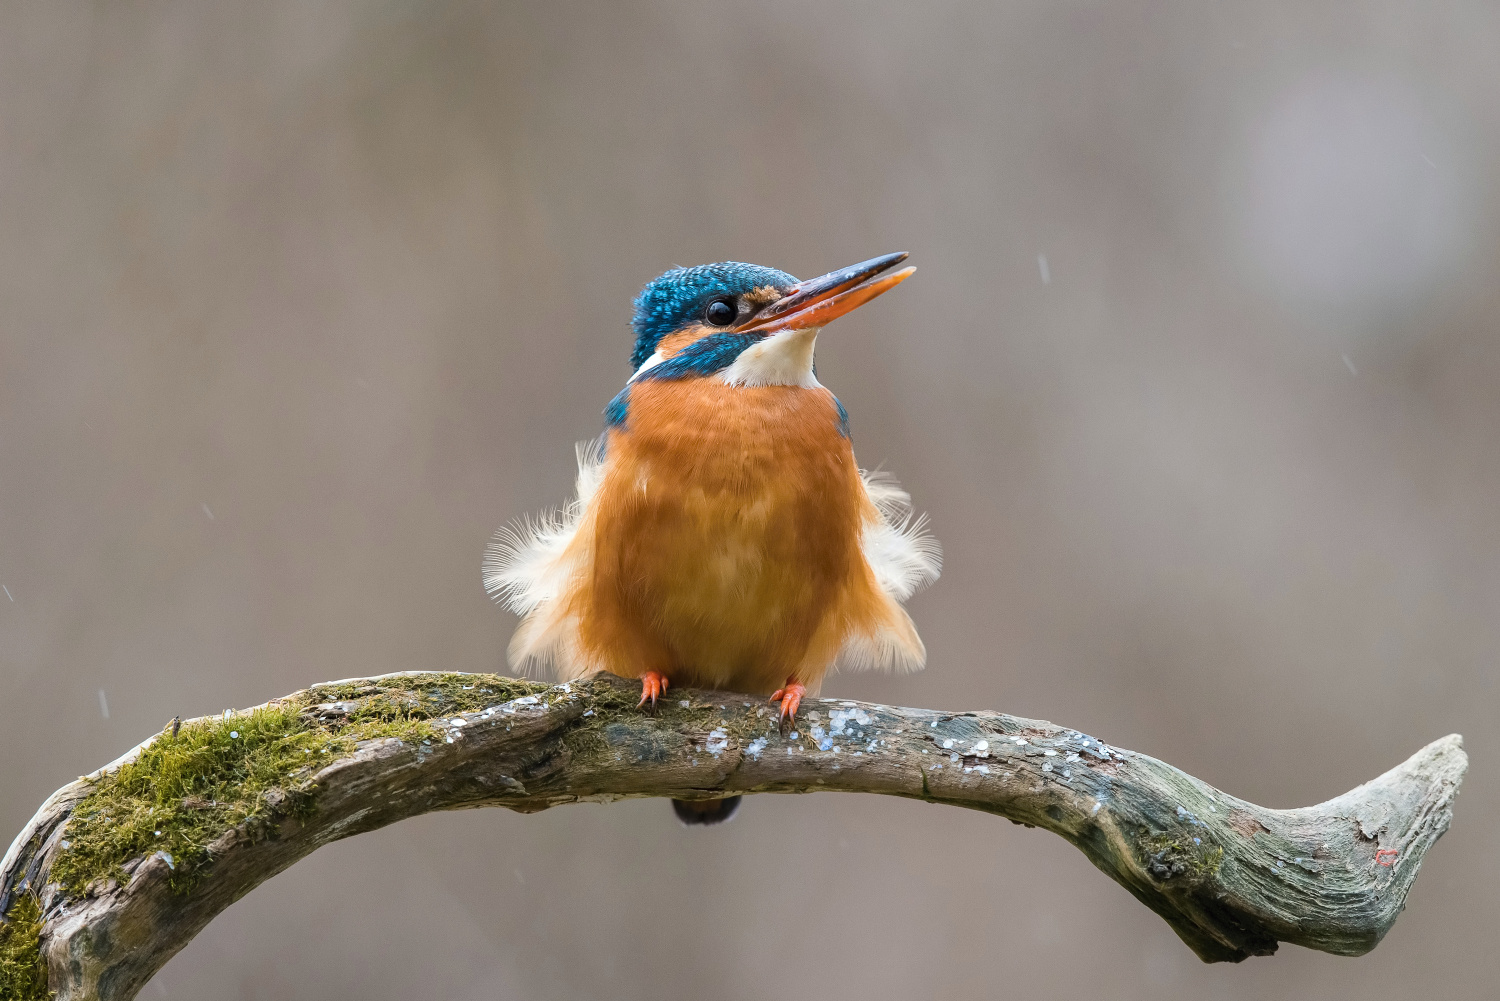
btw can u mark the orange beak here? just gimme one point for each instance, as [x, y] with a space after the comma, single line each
[820, 301]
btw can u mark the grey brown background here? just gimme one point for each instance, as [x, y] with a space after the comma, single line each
[302, 300]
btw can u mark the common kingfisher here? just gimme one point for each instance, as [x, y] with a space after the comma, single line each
[723, 535]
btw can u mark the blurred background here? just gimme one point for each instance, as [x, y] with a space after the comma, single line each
[1199, 380]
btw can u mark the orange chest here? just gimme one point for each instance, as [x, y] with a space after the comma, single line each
[739, 451]
[726, 528]
[717, 496]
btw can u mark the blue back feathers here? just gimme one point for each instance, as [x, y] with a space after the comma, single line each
[677, 299]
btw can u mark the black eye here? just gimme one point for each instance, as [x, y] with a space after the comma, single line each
[720, 313]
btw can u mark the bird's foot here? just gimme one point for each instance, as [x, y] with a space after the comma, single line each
[790, 697]
[653, 686]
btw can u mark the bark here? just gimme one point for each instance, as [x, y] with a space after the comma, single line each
[1232, 879]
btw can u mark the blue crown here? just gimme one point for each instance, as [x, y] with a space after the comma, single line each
[678, 298]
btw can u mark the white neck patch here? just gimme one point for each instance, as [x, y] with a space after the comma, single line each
[649, 363]
[783, 359]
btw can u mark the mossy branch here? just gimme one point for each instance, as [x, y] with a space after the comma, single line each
[119, 869]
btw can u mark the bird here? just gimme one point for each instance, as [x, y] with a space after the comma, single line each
[722, 535]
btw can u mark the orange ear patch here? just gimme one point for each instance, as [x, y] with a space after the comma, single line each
[674, 343]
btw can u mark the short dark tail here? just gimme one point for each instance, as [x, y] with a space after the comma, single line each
[705, 811]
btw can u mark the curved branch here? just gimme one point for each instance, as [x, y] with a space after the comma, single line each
[1230, 877]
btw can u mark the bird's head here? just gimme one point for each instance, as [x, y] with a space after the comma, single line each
[754, 324]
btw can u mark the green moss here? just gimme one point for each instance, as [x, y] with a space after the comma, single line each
[247, 770]
[435, 694]
[1171, 856]
[23, 973]
[185, 790]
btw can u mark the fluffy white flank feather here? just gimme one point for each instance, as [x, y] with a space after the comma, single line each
[904, 558]
[530, 564]
[898, 547]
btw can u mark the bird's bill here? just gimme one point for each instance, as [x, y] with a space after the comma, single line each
[820, 301]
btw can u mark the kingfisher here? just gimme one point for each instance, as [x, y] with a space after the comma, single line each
[723, 535]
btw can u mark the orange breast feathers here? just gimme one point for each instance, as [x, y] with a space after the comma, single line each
[727, 540]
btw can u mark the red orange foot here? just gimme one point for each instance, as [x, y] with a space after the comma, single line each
[790, 697]
[653, 685]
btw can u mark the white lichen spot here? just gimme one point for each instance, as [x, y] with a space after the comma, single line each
[1097, 805]
[947, 743]
[234, 735]
[756, 746]
[718, 739]
[1047, 767]
[684, 703]
[459, 721]
[1050, 753]
[527, 700]
[1019, 740]
[839, 719]
[981, 745]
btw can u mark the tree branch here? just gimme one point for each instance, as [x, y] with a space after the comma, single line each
[240, 797]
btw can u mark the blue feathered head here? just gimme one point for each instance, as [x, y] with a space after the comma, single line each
[679, 298]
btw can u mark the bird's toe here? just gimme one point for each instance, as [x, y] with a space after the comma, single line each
[653, 686]
[790, 697]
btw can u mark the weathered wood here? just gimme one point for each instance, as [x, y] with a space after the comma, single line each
[1230, 877]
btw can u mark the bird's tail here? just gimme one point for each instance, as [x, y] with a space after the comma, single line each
[705, 811]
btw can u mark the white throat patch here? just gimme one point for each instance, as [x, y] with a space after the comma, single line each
[783, 359]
